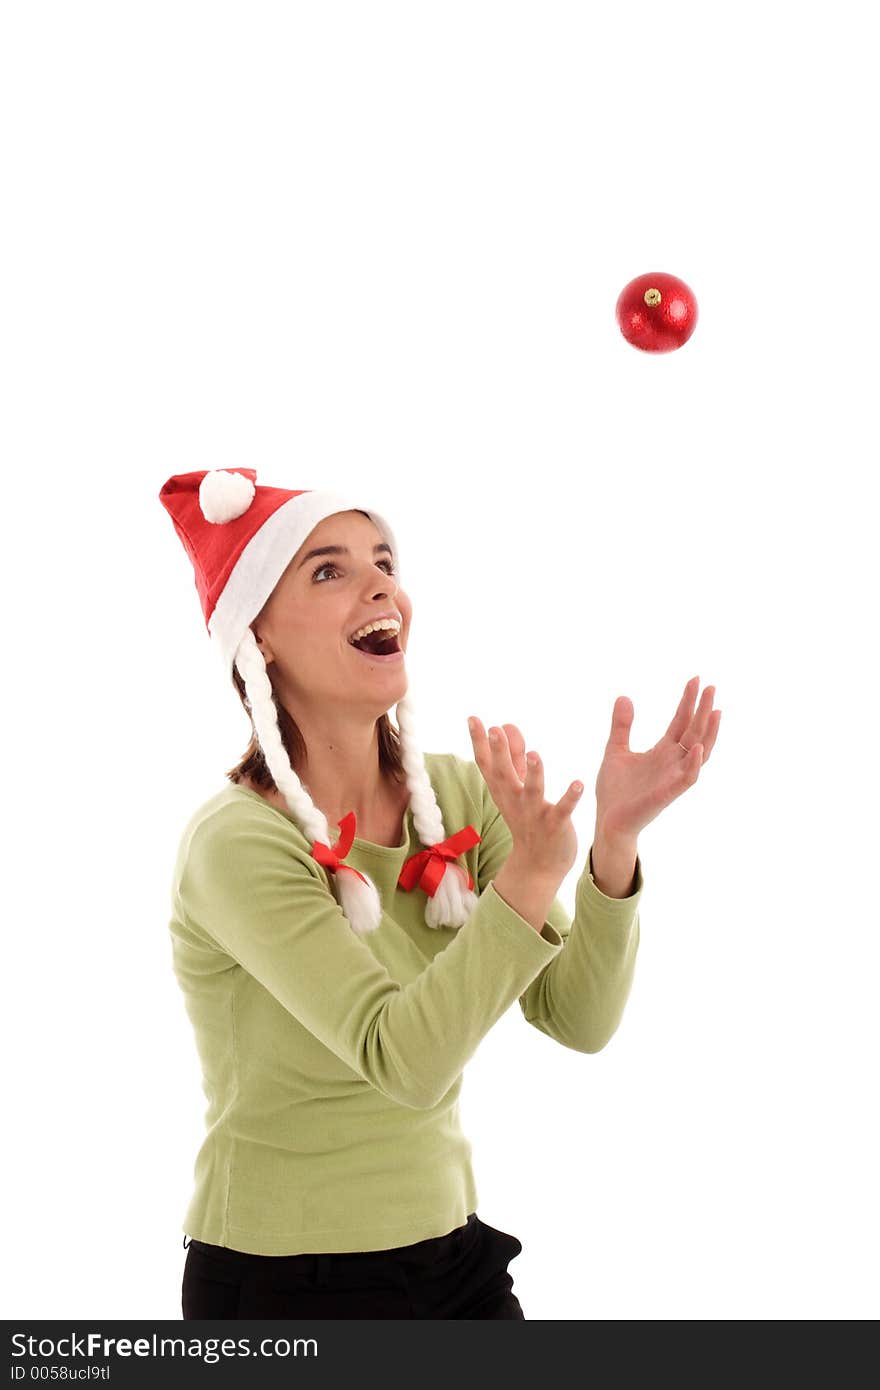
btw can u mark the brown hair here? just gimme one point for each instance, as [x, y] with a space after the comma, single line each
[253, 764]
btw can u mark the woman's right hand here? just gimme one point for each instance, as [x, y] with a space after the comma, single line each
[544, 839]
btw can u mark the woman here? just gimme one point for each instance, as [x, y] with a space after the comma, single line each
[336, 990]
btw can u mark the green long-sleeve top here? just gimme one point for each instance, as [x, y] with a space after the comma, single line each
[331, 1062]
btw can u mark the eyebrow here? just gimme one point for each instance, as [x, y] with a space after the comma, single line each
[340, 550]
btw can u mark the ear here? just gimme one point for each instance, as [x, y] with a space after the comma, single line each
[264, 647]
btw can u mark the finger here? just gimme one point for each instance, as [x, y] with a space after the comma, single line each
[709, 741]
[487, 762]
[517, 745]
[501, 759]
[692, 764]
[534, 784]
[683, 715]
[480, 743]
[698, 727]
[570, 798]
[621, 723]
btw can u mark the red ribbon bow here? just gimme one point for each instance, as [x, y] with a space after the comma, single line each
[426, 868]
[332, 858]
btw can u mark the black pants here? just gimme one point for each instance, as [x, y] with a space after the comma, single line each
[460, 1275]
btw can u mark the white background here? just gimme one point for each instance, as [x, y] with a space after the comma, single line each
[378, 248]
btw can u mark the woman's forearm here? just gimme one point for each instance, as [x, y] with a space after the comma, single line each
[528, 895]
[613, 864]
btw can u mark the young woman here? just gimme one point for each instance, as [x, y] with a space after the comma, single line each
[337, 985]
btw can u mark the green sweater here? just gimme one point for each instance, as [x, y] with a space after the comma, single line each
[332, 1063]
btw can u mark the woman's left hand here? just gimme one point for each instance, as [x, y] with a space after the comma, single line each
[633, 788]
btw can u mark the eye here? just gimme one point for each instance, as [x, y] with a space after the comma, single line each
[328, 565]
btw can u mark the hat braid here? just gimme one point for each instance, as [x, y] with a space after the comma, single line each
[359, 900]
[453, 902]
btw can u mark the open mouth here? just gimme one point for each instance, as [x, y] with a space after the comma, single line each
[378, 644]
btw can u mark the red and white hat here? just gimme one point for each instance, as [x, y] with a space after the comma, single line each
[241, 537]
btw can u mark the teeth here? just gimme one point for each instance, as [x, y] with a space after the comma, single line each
[389, 624]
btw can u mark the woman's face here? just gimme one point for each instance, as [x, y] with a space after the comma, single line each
[318, 602]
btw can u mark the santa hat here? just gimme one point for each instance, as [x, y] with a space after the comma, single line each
[240, 538]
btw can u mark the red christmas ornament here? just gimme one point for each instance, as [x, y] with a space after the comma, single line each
[657, 312]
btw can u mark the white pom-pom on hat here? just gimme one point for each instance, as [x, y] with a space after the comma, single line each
[223, 496]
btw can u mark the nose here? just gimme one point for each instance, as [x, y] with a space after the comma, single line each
[388, 583]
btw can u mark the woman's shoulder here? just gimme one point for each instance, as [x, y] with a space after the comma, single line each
[234, 813]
